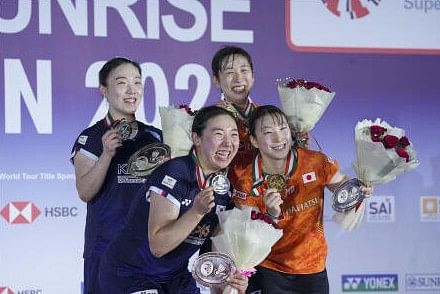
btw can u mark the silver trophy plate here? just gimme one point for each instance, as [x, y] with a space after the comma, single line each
[145, 160]
[221, 184]
[213, 268]
[348, 195]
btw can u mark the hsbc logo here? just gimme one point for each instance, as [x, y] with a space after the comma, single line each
[19, 212]
[6, 290]
[25, 212]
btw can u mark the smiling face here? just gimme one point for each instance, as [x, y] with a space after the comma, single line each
[217, 144]
[123, 91]
[272, 137]
[235, 79]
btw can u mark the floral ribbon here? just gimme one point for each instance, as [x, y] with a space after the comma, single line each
[247, 272]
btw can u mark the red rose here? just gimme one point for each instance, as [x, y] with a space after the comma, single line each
[404, 141]
[377, 132]
[402, 153]
[308, 85]
[390, 141]
[187, 109]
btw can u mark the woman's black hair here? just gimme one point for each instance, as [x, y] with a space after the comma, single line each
[111, 65]
[221, 57]
[204, 115]
[277, 114]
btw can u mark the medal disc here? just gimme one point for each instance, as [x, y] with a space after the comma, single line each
[277, 182]
[221, 184]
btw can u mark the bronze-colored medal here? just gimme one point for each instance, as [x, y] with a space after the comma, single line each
[277, 181]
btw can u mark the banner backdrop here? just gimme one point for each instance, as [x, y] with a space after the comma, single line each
[380, 57]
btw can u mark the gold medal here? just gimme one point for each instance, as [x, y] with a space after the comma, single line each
[277, 182]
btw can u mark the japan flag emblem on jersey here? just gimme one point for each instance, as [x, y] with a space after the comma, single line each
[309, 177]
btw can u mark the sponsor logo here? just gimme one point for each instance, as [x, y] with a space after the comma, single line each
[186, 202]
[61, 211]
[25, 212]
[20, 212]
[380, 209]
[219, 208]
[430, 208]
[309, 177]
[6, 290]
[422, 282]
[169, 182]
[370, 283]
[352, 8]
[124, 176]
[82, 140]
[239, 194]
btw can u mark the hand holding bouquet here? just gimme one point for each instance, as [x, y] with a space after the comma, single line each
[246, 240]
[382, 153]
[176, 128]
[303, 102]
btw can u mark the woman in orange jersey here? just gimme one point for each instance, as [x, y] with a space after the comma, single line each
[233, 73]
[288, 185]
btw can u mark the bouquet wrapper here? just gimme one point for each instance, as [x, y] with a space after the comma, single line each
[375, 164]
[248, 242]
[176, 129]
[303, 107]
[350, 220]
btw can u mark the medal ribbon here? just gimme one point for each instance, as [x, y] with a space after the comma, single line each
[259, 178]
[202, 180]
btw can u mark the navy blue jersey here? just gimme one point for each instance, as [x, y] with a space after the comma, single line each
[129, 254]
[107, 211]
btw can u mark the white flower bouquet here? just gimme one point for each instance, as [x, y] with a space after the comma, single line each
[176, 129]
[303, 102]
[383, 152]
[246, 239]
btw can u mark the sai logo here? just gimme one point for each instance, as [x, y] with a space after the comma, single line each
[380, 209]
[430, 208]
[422, 282]
[352, 8]
[20, 212]
[369, 283]
[6, 290]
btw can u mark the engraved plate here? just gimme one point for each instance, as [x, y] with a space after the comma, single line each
[213, 268]
[146, 159]
[348, 195]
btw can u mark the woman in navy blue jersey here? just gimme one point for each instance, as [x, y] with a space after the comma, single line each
[100, 156]
[174, 215]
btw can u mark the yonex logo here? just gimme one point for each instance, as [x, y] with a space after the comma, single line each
[353, 8]
[20, 212]
[370, 283]
[186, 202]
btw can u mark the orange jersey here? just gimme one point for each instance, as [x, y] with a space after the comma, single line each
[246, 152]
[302, 249]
